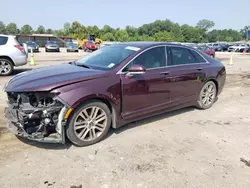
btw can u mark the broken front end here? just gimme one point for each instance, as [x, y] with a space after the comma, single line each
[37, 116]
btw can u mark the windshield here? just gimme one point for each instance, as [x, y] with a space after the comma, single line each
[107, 58]
[30, 43]
[90, 42]
[51, 42]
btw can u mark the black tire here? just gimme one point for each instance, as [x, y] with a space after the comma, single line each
[200, 104]
[46, 50]
[70, 129]
[9, 64]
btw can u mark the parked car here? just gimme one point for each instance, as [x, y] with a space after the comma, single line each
[72, 46]
[89, 46]
[12, 54]
[220, 47]
[237, 47]
[246, 49]
[32, 45]
[209, 51]
[110, 87]
[52, 46]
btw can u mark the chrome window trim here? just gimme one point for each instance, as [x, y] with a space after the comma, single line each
[164, 45]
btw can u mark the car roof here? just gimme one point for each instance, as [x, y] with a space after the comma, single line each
[146, 44]
[2, 35]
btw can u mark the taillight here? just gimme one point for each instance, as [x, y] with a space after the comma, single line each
[19, 47]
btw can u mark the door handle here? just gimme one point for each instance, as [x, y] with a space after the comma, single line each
[164, 73]
[199, 69]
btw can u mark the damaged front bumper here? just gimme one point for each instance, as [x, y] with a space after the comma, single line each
[43, 123]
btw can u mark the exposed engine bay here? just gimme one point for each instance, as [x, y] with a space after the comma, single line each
[37, 115]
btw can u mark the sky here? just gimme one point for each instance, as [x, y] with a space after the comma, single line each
[54, 13]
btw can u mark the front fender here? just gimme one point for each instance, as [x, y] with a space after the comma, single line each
[107, 88]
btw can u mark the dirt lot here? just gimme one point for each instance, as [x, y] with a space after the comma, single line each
[185, 148]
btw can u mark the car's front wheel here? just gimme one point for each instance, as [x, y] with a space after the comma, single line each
[89, 123]
[6, 67]
[207, 95]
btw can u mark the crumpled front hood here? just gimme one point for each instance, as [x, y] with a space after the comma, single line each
[51, 77]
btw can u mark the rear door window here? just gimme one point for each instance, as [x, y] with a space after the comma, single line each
[198, 58]
[182, 56]
[3, 40]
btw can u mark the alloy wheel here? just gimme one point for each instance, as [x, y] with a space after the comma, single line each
[5, 67]
[208, 94]
[90, 123]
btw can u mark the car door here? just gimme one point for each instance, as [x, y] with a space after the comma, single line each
[146, 92]
[186, 74]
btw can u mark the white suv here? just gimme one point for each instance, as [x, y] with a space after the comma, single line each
[238, 47]
[11, 54]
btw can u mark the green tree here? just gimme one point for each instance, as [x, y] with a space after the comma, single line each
[58, 33]
[76, 27]
[93, 30]
[121, 35]
[155, 27]
[244, 31]
[77, 30]
[40, 30]
[66, 28]
[191, 34]
[2, 27]
[26, 29]
[49, 31]
[205, 24]
[107, 29]
[164, 36]
[11, 28]
[177, 34]
[108, 37]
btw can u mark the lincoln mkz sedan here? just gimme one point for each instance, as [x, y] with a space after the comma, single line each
[110, 87]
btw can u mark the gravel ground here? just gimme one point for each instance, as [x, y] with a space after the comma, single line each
[186, 148]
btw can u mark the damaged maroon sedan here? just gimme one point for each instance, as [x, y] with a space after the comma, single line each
[110, 87]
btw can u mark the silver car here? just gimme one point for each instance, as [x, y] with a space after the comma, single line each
[52, 46]
[11, 54]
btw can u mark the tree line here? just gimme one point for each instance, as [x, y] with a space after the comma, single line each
[160, 30]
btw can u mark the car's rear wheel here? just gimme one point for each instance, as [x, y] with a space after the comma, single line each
[6, 67]
[46, 50]
[89, 123]
[207, 95]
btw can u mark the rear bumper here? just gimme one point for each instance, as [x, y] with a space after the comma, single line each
[91, 48]
[221, 80]
[34, 50]
[20, 60]
[72, 50]
[53, 49]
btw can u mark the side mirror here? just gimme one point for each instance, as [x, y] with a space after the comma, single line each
[136, 69]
